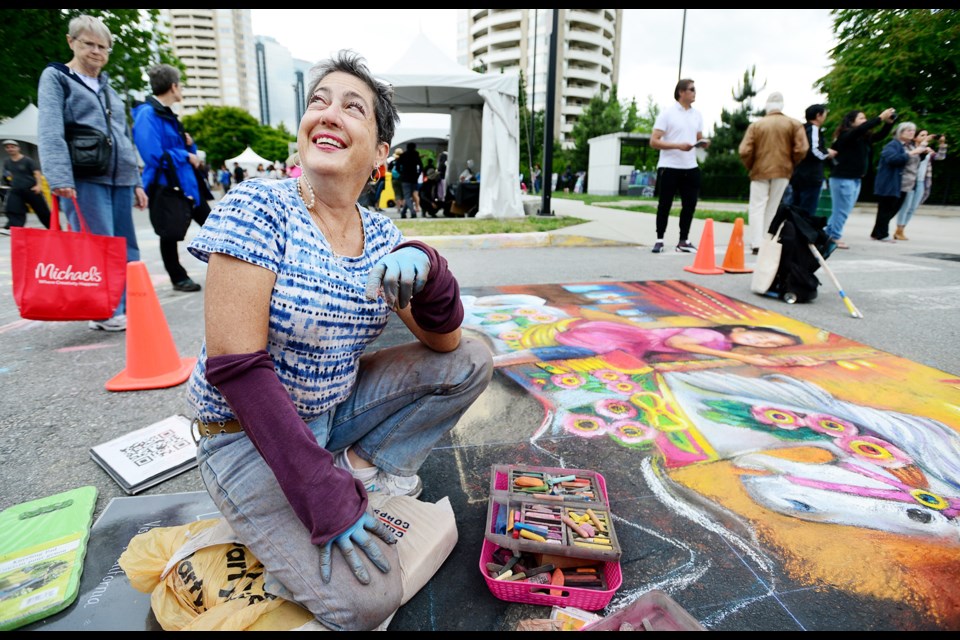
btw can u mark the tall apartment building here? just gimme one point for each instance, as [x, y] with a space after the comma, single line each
[218, 49]
[515, 40]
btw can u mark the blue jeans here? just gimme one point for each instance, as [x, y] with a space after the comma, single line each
[405, 400]
[843, 196]
[910, 204]
[108, 211]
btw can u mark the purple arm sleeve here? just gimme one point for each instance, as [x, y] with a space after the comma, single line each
[437, 307]
[328, 500]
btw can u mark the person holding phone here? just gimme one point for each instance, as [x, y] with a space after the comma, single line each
[676, 132]
[852, 141]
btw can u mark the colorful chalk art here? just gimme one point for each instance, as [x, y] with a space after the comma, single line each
[844, 460]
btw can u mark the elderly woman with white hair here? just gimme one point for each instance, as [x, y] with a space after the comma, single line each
[888, 184]
[79, 93]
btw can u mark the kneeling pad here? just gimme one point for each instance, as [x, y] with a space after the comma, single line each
[41, 555]
[201, 577]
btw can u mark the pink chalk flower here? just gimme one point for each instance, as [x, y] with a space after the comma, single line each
[632, 431]
[580, 424]
[780, 418]
[567, 380]
[615, 408]
[609, 375]
[830, 425]
[542, 318]
[879, 452]
[624, 387]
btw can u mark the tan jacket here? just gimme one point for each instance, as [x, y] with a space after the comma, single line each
[773, 146]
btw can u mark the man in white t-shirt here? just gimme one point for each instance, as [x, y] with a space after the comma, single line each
[676, 133]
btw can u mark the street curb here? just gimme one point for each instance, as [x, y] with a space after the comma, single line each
[532, 239]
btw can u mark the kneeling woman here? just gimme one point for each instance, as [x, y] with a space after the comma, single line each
[298, 422]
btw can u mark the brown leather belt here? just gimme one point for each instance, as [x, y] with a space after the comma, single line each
[210, 429]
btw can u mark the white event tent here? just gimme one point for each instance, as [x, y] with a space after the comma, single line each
[484, 120]
[249, 160]
[23, 126]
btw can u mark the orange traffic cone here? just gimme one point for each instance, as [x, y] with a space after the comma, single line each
[733, 260]
[705, 263]
[152, 359]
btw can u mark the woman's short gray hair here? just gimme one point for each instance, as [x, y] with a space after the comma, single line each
[89, 24]
[901, 127]
[162, 78]
[347, 61]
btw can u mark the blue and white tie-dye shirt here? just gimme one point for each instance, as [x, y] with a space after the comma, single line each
[320, 320]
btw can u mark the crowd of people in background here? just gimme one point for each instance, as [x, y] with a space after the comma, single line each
[788, 161]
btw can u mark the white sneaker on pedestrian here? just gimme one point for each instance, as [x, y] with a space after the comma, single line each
[116, 323]
[378, 481]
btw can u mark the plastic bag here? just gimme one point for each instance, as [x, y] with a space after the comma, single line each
[201, 578]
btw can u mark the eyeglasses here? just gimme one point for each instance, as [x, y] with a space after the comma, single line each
[95, 46]
[692, 89]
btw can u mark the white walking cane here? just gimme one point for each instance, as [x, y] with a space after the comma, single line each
[843, 296]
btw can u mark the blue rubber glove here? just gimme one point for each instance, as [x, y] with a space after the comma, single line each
[358, 534]
[400, 275]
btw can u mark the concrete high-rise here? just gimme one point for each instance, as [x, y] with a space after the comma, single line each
[518, 40]
[218, 48]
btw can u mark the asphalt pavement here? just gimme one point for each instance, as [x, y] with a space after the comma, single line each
[55, 406]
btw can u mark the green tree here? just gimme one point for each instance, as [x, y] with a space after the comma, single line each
[272, 142]
[224, 132]
[902, 58]
[531, 147]
[908, 59]
[631, 119]
[603, 115]
[723, 173]
[35, 37]
[645, 120]
[640, 156]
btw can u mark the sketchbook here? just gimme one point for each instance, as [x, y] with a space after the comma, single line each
[148, 456]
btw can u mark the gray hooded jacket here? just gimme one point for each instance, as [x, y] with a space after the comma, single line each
[64, 98]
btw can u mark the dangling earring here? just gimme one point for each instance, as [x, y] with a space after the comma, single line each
[374, 174]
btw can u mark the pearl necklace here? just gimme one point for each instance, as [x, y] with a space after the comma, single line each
[313, 196]
[323, 225]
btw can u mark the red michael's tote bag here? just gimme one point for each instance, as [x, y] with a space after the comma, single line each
[66, 275]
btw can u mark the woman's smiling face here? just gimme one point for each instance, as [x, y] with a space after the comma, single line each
[338, 131]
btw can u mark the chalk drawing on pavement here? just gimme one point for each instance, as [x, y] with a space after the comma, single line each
[823, 444]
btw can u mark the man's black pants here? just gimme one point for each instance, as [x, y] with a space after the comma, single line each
[669, 181]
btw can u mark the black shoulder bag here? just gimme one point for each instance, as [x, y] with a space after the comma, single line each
[170, 208]
[90, 148]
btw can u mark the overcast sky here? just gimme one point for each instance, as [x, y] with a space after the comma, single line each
[789, 48]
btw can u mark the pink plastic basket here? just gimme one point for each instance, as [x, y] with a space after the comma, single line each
[532, 593]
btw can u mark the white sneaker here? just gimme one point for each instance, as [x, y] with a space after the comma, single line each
[116, 323]
[393, 485]
[376, 480]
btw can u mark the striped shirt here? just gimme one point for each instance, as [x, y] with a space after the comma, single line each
[320, 320]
